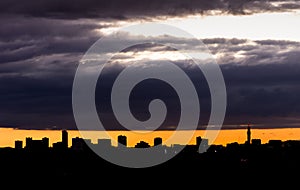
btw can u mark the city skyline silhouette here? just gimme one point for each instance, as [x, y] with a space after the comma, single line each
[245, 157]
[200, 90]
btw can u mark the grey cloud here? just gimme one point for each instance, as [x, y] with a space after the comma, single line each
[26, 38]
[253, 52]
[18, 27]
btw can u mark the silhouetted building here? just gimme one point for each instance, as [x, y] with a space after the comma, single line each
[157, 141]
[142, 144]
[248, 134]
[292, 143]
[232, 146]
[275, 143]
[198, 140]
[104, 143]
[77, 143]
[45, 142]
[18, 144]
[58, 146]
[256, 142]
[64, 141]
[37, 144]
[122, 140]
[80, 143]
[201, 144]
[176, 148]
[204, 143]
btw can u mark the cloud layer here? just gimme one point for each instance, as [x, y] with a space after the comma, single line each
[38, 63]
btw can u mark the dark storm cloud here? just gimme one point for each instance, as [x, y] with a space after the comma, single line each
[38, 66]
[122, 9]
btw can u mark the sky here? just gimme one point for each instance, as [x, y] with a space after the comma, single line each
[255, 43]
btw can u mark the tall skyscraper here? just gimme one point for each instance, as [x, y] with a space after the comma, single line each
[202, 144]
[64, 137]
[198, 140]
[157, 141]
[248, 134]
[122, 140]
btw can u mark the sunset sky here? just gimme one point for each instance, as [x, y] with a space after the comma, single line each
[256, 44]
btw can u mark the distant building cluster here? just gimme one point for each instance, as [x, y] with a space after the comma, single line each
[79, 144]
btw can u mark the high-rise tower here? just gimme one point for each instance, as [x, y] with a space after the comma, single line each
[157, 141]
[64, 136]
[122, 140]
[248, 134]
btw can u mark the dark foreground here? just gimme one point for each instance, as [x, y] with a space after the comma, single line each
[218, 162]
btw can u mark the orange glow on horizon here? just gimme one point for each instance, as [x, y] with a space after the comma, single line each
[9, 135]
